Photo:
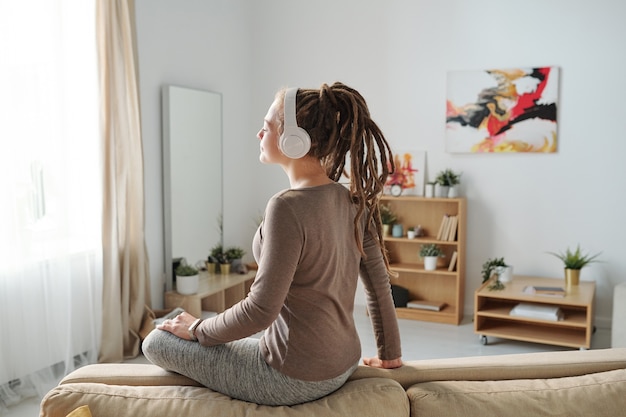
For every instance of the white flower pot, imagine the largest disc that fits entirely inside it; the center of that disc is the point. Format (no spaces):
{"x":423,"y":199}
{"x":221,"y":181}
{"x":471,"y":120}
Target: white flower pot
{"x":430,"y":263}
{"x":187,"y":285}
{"x":506,"y":274}
{"x":441,"y":191}
{"x":429,"y":191}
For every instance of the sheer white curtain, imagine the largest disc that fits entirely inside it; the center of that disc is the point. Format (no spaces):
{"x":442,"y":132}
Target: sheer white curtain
{"x":50,"y":194}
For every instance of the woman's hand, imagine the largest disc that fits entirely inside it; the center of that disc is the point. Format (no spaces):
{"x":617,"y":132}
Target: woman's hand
{"x":179,"y":325}
{"x":383,"y":363}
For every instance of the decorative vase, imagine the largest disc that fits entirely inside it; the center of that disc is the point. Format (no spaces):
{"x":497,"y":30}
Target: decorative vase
{"x":572,"y":277}
{"x":397,"y":230}
{"x":225,"y":269}
{"x":187,"y":284}
{"x":453,"y":191}
{"x":210,"y":267}
{"x":429,"y":191}
{"x":386,"y":229}
{"x":430,"y":263}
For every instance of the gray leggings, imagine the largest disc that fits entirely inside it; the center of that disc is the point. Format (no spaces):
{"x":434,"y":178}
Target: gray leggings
{"x":236,"y":369}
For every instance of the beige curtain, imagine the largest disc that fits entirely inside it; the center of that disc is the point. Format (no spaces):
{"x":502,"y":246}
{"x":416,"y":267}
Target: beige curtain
{"x":125,"y":260}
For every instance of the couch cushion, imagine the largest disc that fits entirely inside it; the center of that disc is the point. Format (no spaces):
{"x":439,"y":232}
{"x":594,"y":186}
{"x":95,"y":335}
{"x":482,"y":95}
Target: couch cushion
{"x":598,"y":395}
{"x":502,"y":367}
{"x":127,"y":374}
{"x":363,"y":398}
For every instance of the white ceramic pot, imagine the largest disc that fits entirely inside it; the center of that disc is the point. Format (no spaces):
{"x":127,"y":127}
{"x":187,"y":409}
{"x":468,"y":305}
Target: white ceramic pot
{"x":441,"y":191}
{"x":187,"y":285}
{"x":429,"y":191}
{"x":506,"y":274}
{"x":430,"y":263}
{"x":453,"y":191}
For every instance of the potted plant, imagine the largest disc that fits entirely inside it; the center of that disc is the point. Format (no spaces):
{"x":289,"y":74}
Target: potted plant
{"x":430,"y":252}
{"x":447,"y":180}
{"x":233,"y":255}
{"x":213,"y":260}
{"x":497,"y":268}
{"x":387,"y":218}
{"x":573,"y":262}
{"x":187,"y":280}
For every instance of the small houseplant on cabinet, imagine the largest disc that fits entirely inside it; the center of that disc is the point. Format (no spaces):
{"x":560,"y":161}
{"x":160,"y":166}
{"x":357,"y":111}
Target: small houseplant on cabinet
{"x":447,"y":181}
{"x":187,"y":280}
{"x":234,"y":255}
{"x":493,"y":268}
{"x":574,"y":261}
{"x":387,"y":218}
{"x":430,"y":252}
{"x":214,"y":259}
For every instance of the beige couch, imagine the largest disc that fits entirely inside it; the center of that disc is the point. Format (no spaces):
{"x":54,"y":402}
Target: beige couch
{"x":570,"y":383}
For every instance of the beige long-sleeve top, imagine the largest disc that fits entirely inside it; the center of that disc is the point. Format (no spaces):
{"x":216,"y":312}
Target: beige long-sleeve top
{"x":304,"y":289}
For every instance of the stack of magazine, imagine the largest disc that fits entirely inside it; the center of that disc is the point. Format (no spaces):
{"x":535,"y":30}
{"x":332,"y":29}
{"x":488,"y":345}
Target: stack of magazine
{"x":537,"y":311}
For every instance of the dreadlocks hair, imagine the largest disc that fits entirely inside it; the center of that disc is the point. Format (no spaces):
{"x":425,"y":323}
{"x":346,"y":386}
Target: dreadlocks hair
{"x":339,"y":124}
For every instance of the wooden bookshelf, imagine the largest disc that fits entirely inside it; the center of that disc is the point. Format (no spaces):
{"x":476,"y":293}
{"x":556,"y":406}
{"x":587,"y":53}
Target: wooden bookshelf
{"x":440,"y":285}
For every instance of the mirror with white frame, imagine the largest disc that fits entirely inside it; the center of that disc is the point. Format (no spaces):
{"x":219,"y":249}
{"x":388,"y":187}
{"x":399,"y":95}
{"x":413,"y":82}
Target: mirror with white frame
{"x":192,"y":175}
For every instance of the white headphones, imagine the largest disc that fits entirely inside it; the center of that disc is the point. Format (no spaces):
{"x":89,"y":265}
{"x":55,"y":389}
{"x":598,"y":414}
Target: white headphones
{"x":295,"y":141}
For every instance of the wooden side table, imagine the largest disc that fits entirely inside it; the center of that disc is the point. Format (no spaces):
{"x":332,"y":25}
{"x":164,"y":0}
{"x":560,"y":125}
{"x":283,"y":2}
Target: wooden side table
{"x":216,"y":293}
{"x":492,"y":313}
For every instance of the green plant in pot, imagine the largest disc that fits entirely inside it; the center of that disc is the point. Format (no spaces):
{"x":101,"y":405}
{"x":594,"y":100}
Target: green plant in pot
{"x":492,"y":268}
{"x":387,"y":218}
{"x":215,"y":258}
{"x":187,"y":281}
{"x":446,"y":180}
{"x":574,"y":261}
{"x":430,"y":252}
{"x":234,"y":255}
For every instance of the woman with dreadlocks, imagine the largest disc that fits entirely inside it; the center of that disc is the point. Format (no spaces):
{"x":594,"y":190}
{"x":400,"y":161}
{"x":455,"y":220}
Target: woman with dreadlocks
{"x":316,"y":239}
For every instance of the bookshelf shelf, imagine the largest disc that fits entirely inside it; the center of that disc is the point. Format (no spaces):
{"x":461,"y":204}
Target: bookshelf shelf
{"x":441,"y":285}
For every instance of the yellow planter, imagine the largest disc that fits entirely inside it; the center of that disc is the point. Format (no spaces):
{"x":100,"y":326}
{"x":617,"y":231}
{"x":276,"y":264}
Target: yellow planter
{"x":572,"y":277}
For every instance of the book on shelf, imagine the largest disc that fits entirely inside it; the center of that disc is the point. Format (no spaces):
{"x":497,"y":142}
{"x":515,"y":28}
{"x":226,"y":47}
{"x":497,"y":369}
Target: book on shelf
{"x":546,"y":291}
{"x":536,"y":311}
{"x":452,"y":264}
{"x":426,"y":305}
{"x":442,"y":227}
{"x":448,"y":228}
{"x":452,"y":226}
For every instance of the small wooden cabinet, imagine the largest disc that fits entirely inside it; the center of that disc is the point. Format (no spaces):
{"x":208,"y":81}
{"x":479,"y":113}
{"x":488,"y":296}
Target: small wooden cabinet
{"x":441,"y":285}
{"x":216,"y":293}
{"x":493,"y":307}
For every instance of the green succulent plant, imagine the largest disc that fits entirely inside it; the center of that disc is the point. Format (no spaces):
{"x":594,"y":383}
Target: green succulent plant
{"x":387,"y":216}
{"x":575,"y":259}
{"x":186,"y":271}
{"x":448,"y":178}
{"x":430,"y":249}
{"x":490,"y":265}
{"x":233,"y":253}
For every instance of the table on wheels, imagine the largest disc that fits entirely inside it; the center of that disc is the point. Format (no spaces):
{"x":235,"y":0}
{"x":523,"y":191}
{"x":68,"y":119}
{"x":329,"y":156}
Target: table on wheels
{"x":492,"y":313}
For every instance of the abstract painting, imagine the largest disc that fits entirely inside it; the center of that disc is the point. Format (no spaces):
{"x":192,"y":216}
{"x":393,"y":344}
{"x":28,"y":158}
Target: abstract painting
{"x":502,"y":110}
{"x":409,"y":173}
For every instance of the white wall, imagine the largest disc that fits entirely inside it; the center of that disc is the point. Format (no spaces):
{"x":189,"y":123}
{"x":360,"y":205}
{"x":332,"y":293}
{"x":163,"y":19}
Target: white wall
{"x":397,"y":53}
